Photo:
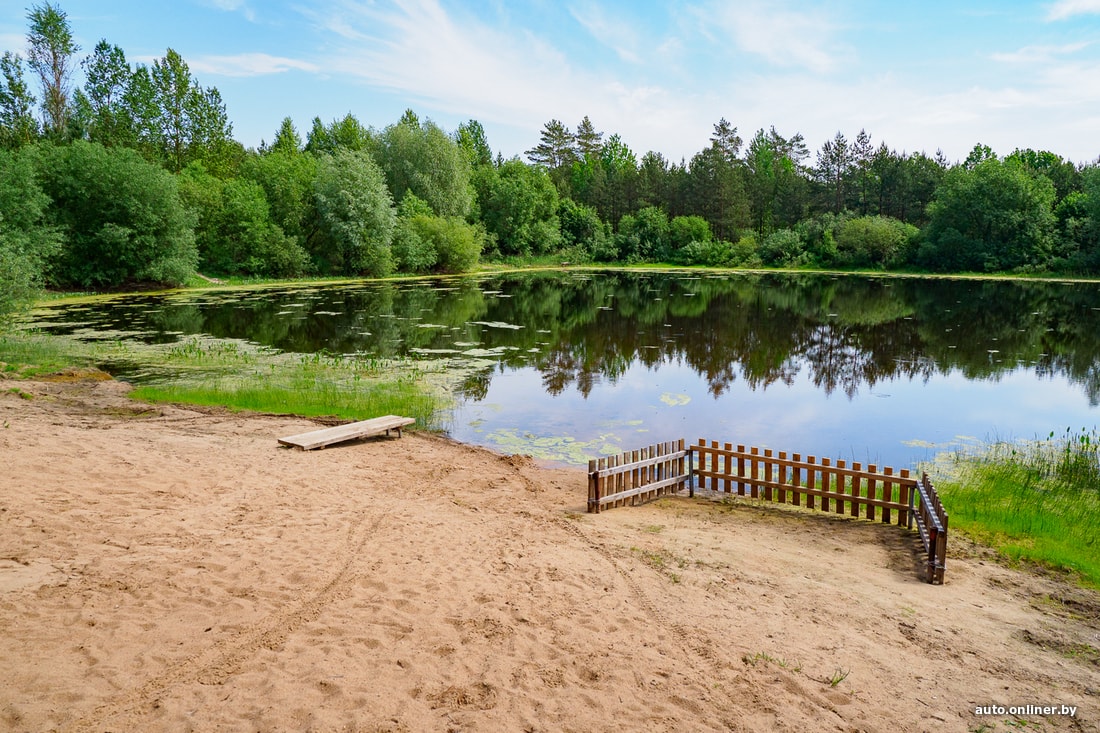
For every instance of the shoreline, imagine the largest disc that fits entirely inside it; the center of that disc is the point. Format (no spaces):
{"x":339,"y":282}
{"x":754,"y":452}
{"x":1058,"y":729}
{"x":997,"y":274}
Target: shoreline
{"x":163,"y":568}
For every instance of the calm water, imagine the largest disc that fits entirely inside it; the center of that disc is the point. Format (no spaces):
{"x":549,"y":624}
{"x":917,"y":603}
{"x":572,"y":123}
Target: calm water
{"x":569,"y":365}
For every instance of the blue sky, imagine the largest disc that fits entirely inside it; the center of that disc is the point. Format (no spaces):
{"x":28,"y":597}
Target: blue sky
{"x":916,"y":75}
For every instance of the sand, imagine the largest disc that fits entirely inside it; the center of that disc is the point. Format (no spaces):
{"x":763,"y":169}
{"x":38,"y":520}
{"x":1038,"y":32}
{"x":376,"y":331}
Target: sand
{"x":168,"y":569}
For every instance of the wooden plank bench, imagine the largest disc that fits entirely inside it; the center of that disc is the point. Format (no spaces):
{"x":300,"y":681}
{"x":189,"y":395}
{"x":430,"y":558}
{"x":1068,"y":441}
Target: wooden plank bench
{"x":351,"y":431}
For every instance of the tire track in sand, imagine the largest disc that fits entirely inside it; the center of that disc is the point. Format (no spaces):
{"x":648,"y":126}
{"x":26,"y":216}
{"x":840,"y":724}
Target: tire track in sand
{"x":224,"y":658}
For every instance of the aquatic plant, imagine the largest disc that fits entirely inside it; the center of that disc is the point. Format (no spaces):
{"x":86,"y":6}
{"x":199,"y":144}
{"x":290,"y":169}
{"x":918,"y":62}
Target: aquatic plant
{"x":1035,"y":501}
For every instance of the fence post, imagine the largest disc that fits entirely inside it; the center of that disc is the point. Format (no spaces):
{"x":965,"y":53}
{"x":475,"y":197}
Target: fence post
{"x":593,"y":488}
{"x":912,"y":502}
{"x":691,"y":470}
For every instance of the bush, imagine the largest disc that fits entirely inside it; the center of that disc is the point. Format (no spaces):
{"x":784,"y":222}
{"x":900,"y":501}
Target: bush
{"x":874,"y":241}
{"x":783,"y":249}
{"x":581,"y":227}
{"x":711,"y":254}
{"x":643,"y":236}
{"x":684,"y":230}
{"x":744,"y":252}
{"x":235,"y":234}
{"x":121,"y":218}
{"x":519,"y":206}
{"x":287,"y":179}
{"x":456,"y":245}
{"x":411,"y":252}
{"x":715,"y":253}
{"x":26,"y":242}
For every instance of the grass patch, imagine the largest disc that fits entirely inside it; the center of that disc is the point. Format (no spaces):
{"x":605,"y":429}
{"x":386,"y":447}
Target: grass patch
{"x":662,"y":561}
{"x":1035,"y":501}
{"x":303,"y":390}
{"x":25,"y":355}
{"x":240,"y":376}
{"x":753,"y":659}
{"x":243,"y":377}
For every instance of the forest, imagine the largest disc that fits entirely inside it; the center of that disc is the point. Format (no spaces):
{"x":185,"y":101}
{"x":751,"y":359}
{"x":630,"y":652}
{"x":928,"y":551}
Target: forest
{"x":134,"y":178}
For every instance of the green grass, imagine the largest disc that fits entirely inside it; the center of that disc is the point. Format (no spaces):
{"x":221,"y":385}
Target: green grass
{"x":1035,"y":501}
{"x":26,"y":355}
{"x":308,"y":388}
{"x":241,"y":376}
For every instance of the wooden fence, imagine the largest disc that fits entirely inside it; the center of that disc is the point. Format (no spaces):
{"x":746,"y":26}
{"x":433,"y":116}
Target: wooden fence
{"x":638,"y":476}
{"x":830,"y":487}
{"x":931,"y":521}
{"x":837,"y":487}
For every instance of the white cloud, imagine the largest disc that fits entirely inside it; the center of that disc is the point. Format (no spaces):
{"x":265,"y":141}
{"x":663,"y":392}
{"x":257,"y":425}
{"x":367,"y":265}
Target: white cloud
{"x":1039,"y":54}
{"x":248,"y":64}
{"x":464,"y":67}
{"x":783,"y":37}
{"x":615,"y":33}
{"x":233,"y":6}
{"x":454,"y":65}
{"x":1064,"y":9}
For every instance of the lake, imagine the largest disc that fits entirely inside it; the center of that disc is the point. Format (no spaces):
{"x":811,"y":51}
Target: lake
{"x":575,"y":364}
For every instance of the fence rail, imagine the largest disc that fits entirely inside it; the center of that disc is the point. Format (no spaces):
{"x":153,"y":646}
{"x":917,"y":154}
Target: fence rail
{"x":825,"y":485}
{"x":837,"y":487}
{"x":638,"y":476}
{"x":931,"y":521}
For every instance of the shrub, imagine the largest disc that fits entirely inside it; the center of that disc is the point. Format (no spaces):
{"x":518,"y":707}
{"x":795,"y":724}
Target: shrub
{"x":26,"y":242}
{"x":235,"y":233}
{"x":121,"y":217}
{"x":456,"y":244}
{"x":876,"y":241}
{"x":783,"y":248}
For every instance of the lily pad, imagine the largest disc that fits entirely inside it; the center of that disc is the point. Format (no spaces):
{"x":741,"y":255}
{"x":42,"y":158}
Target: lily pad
{"x":497,"y":324}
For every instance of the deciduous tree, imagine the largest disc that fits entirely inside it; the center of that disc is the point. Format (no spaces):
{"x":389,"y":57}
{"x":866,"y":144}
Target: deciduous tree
{"x":107,"y":77}
{"x":50,"y":48}
{"x":17,"y":124}
{"x":26,"y":240}
{"x":519,"y":206}
{"x":471,"y":139}
{"x":121,"y":217}
{"x":355,"y":215}
{"x":989,"y":215}
{"x":421,"y":158}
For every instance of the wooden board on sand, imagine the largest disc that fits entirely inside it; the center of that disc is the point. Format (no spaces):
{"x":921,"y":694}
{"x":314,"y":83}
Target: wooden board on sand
{"x":351,"y":431}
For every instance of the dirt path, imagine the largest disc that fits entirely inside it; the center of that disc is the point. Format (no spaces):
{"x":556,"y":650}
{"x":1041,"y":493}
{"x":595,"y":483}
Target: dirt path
{"x":163,"y":569}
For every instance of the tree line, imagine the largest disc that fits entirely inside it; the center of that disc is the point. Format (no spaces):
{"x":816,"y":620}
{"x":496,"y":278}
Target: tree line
{"x":135,"y":177}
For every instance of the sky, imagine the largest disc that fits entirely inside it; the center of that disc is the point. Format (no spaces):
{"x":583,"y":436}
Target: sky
{"x":916,"y":75}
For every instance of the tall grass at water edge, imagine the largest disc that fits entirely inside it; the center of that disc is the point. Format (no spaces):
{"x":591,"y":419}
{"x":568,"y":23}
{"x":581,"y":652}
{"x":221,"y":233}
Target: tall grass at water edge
{"x":308,"y":388}
{"x":240,"y":376}
{"x":24,"y":355}
{"x":1033,"y":501}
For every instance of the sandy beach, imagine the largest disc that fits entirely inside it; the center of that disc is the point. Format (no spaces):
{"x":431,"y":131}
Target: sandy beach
{"x":170,"y":569}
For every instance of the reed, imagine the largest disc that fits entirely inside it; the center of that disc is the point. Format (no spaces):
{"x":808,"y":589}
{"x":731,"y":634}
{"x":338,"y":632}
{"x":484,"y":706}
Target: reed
{"x":26,"y":354}
{"x":240,"y":376}
{"x":303,"y":391}
{"x":1034,"y":501}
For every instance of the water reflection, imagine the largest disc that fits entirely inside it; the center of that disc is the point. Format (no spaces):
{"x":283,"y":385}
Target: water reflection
{"x":735,"y":335}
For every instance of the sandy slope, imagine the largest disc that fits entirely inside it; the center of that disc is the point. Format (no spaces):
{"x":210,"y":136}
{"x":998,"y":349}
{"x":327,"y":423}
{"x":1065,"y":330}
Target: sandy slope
{"x":163,"y":569}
